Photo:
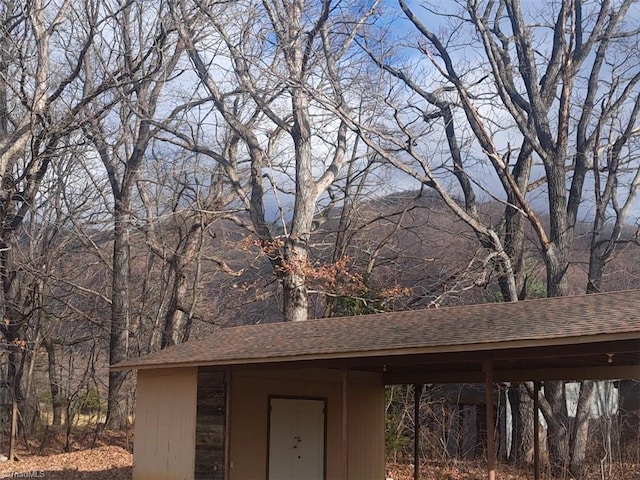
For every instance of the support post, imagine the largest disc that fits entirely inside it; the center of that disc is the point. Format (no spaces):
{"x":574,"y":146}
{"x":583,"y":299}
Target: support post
{"x":491,"y":446}
{"x":227,"y":424}
{"x":345,"y":423}
{"x":417,"y":394}
{"x":536,"y":430}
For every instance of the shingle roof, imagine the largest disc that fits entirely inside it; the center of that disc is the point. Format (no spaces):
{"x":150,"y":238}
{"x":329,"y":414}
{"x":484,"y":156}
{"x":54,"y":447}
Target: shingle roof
{"x":543,"y":322}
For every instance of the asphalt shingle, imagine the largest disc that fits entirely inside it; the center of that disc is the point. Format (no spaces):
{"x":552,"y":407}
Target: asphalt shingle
{"x":494,"y":325}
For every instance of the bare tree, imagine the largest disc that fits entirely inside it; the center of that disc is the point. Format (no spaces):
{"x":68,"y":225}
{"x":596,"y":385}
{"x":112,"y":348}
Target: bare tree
{"x":71,"y":308}
{"x":141,"y":47}
{"x":42,"y":94}
{"x":272,"y":63}
{"x":182,"y":204}
{"x":552,"y":80}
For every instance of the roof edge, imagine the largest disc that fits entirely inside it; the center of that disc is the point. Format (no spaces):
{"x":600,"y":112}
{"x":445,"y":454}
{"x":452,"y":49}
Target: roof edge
{"x":396,"y":351}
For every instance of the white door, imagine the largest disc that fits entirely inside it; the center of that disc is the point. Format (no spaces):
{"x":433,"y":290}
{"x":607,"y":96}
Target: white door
{"x":296,"y":439}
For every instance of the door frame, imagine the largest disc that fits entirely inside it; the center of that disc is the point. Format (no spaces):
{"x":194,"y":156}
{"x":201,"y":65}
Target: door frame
{"x":296,"y":397}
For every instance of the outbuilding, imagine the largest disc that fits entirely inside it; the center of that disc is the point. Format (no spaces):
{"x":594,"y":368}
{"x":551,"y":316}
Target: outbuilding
{"x":305,"y":400}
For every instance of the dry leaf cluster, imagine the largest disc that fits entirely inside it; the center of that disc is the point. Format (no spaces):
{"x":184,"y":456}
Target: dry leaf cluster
{"x":102,"y":463}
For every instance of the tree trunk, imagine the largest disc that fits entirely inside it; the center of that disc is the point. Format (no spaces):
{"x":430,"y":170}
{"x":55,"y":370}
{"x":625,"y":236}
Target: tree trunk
{"x":557,"y":427}
{"x":581,"y":429}
{"x":119,"y":337}
{"x":178,"y":317}
{"x":521,"y":424}
{"x":295,"y":302}
{"x":558,"y":430}
{"x":514,"y":232}
{"x":55,"y":383}
{"x":629,"y":417}
{"x":13,"y":326}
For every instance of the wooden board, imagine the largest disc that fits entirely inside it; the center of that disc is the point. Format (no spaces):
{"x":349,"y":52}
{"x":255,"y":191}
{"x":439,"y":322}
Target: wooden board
{"x":210,"y":425}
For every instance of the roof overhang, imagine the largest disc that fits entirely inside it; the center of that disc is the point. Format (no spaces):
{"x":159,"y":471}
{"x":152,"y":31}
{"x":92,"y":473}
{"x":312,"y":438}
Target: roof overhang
{"x":607,"y":357}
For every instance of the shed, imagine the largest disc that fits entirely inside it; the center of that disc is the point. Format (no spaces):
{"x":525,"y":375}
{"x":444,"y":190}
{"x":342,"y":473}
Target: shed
{"x":305,"y":400}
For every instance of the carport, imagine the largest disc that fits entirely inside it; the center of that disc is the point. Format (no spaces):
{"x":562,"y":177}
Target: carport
{"x":345,"y":362}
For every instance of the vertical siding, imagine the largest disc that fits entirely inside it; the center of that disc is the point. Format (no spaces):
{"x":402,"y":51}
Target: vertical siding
{"x":165,"y":424}
{"x":366,"y":431}
{"x":249,"y":420}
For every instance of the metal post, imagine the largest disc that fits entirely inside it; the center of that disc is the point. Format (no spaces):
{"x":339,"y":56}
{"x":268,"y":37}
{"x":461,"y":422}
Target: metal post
{"x":227,"y":424}
{"x":417,"y":393}
{"x":536,"y":431}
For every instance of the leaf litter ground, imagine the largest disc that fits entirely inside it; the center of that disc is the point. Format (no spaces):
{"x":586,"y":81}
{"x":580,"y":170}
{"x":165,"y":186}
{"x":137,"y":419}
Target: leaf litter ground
{"x":112,"y":460}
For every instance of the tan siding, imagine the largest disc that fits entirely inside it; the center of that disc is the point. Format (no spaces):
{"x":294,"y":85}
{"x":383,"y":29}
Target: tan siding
{"x":165,"y":424}
{"x":366,"y":432}
{"x":249,"y":420}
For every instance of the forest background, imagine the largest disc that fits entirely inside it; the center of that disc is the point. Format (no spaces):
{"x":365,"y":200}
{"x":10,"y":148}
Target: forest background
{"x":170,"y":168}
